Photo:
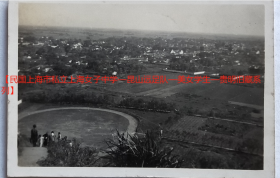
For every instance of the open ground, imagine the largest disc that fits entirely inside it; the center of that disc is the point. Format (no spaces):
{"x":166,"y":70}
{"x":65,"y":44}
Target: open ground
{"x":88,"y":125}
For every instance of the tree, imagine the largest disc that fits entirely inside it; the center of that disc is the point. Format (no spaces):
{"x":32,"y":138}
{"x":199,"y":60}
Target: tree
{"x":67,"y":49}
{"x":30,"y":39}
{"x":230,"y":47}
{"x":233,"y":71}
{"x":41,"y":51}
{"x":240,"y":72}
{"x":51,"y":58}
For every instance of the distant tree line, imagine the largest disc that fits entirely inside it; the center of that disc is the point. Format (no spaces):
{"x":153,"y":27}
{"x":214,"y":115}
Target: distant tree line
{"x":68,"y":97}
{"x":72,"y":97}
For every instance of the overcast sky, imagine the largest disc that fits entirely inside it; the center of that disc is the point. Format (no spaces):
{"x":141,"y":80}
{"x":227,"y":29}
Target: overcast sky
{"x":217,"y":19}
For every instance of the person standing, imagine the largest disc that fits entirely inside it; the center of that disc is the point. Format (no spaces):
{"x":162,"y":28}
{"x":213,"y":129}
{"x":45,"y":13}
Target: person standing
{"x":46,"y":139}
{"x":52,"y":136}
{"x":59,"y":136}
{"x":34,"y":135}
{"x":41,"y":140}
{"x":160,"y":130}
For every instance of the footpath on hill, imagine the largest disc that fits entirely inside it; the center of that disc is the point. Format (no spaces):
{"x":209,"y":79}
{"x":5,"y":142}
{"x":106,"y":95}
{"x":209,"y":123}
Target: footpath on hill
{"x":29,"y":156}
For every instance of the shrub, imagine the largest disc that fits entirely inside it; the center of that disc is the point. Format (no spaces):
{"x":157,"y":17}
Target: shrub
{"x":63,"y":155}
{"x":132,"y":151}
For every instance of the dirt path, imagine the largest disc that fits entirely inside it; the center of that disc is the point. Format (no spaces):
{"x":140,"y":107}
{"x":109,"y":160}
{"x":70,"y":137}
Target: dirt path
{"x":30,"y":155}
{"x":246,"y":104}
{"x":131,"y":126}
{"x":240,"y":122}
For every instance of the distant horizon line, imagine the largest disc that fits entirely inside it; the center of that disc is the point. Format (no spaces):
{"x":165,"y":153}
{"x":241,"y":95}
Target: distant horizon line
{"x":118,"y":29}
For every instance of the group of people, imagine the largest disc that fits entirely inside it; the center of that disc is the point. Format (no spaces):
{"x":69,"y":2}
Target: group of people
{"x":45,"y":139}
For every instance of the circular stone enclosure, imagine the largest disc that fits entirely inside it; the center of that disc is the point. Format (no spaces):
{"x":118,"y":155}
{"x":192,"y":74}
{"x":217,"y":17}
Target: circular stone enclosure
{"x":88,"y":125}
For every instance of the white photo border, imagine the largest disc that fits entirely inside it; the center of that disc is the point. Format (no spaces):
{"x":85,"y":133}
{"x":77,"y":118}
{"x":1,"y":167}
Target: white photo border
{"x":269,"y":130}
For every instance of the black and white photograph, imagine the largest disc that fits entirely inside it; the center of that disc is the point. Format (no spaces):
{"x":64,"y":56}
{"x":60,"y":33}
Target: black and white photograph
{"x":166,"y":85}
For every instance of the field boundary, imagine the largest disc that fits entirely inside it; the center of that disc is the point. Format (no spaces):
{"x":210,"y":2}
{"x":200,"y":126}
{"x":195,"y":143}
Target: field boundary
{"x":139,"y":118}
{"x":212,"y":146}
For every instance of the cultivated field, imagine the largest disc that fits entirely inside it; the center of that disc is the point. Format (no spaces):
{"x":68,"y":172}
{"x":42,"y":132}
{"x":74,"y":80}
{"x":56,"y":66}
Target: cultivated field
{"x":218,"y":133}
{"x":213,"y":90}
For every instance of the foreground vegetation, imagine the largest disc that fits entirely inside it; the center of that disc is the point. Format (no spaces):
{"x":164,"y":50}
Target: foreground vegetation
{"x":132,"y":151}
{"x":61,"y":154}
{"x":123,"y":151}
{"x":146,"y":151}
